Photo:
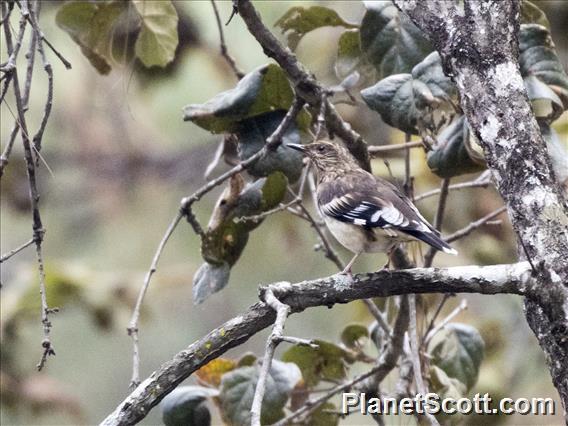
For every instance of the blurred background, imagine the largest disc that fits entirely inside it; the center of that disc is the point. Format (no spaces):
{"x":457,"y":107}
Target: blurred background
{"x":122,"y":158}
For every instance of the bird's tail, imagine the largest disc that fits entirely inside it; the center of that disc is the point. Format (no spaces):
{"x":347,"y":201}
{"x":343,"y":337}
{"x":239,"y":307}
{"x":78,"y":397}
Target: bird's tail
{"x":433,"y":240}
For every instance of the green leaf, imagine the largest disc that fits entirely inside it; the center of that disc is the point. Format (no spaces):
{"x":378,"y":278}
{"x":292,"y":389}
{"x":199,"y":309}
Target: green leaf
{"x":274,"y":190}
{"x":324,"y":415}
{"x":91,"y":26}
{"x":531,"y":14}
{"x":226,"y":238}
{"x":252,"y":134}
{"x":391,"y":42}
{"x":298,"y":21}
{"x":238,"y":387}
{"x":348,"y":53}
{"x":63,"y":289}
{"x":326,"y":362}
{"x":158,"y":38}
{"x":455,"y":153}
{"x":544,"y":76}
{"x":186,"y":406}
{"x":247,"y":360}
{"x":458,"y":350}
{"x":263,"y":90}
{"x":408,"y":101}
{"x":354,"y":335}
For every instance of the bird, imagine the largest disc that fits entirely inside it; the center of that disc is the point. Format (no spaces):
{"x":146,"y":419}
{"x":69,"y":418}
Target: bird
{"x":365,"y":213}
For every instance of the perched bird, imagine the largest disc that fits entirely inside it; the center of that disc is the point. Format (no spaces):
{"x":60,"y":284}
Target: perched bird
{"x":365,"y":213}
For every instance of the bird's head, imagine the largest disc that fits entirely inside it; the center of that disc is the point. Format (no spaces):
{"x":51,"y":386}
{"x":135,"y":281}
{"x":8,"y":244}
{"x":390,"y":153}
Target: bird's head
{"x":327,"y":156}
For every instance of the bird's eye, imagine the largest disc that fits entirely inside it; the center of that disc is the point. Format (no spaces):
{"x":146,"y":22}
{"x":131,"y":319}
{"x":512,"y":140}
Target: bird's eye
{"x":321,"y":148}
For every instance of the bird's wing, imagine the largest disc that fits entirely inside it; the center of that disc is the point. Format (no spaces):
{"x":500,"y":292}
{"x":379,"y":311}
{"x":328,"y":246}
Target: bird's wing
{"x":373,"y":203}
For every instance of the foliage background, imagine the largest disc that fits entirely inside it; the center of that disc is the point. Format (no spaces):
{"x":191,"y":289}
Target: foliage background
{"x":122,"y":158}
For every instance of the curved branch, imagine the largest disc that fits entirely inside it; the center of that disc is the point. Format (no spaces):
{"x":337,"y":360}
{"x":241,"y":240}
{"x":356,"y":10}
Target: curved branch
{"x":497,"y":279}
{"x":306,"y":86}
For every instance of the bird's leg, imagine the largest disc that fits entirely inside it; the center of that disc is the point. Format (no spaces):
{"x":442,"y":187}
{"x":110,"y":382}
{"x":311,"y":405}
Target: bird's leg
{"x":347,"y":269}
{"x":386,"y":266}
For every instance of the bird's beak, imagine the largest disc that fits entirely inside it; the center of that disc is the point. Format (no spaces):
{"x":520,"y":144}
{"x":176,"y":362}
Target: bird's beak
{"x":297,"y":147}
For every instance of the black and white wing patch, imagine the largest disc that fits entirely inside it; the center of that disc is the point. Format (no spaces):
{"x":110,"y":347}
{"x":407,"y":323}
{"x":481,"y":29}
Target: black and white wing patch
{"x":374,"y":209}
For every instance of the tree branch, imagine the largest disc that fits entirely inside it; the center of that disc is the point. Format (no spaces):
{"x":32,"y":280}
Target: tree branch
{"x":479,"y":49}
{"x":273,"y":141}
{"x":511,"y":279}
{"x":306,"y":86}
{"x":282,"y":311}
{"x":224,"y":51}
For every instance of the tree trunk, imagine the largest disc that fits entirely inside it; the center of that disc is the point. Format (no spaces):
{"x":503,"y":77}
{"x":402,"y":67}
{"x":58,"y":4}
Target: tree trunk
{"x":479,"y":49}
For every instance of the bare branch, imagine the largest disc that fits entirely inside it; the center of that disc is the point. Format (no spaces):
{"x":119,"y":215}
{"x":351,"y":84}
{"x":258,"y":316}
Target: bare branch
{"x":461,"y":307}
{"x":272,"y":142}
{"x":277,"y":336}
{"x":474,"y":225}
{"x":415,"y":356}
{"x":377,"y":150}
{"x":13,"y":48}
{"x":133,"y":325}
{"x":224,"y":51}
{"x":483,"y":181}
{"x":37,"y":226}
{"x":512,"y":279}
{"x":307,"y":87}
{"x":23,"y":6}
{"x":15,"y":251}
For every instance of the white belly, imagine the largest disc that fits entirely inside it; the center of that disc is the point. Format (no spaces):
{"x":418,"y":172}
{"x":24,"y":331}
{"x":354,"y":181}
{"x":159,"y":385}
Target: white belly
{"x":355,"y":239}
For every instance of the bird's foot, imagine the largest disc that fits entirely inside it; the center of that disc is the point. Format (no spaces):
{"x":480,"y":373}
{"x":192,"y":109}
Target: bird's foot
{"x":347,"y":272}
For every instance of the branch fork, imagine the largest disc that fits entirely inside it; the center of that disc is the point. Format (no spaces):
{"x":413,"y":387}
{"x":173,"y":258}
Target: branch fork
{"x":276,"y":336}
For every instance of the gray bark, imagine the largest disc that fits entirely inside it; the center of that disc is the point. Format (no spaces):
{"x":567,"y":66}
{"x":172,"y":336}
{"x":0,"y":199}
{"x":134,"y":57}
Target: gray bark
{"x":479,"y":50}
{"x":497,"y":279}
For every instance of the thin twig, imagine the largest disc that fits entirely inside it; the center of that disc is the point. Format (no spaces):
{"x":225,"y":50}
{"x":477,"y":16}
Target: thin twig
{"x":438,"y":219}
{"x":474,"y":225}
{"x":386,"y":363}
{"x":276,"y":336}
{"x":133,"y":325}
{"x":37,"y":226}
{"x":224,"y":51}
{"x":15,"y":251}
{"x":378,"y":315}
{"x":297,"y":198}
{"x":445,"y":298}
{"x":408,"y":187}
{"x":415,"y":356}
{"x":477,"y":183}
{"x":461,"y":307}
{"x":10,"y":64}
{"x":33,"y":17}
{"x":376,"y":150}
{"x":42,"y":38}
{"x":185,"y":210}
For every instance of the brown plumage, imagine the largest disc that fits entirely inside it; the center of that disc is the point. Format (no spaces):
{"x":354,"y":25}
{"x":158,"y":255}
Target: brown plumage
{"x":365,"y":213}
